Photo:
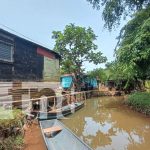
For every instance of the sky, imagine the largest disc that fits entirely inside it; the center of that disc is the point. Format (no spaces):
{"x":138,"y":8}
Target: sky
{"x":36,"y":19}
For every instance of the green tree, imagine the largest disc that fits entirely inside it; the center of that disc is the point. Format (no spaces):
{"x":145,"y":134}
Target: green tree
{"x":76,"y":45}
{"x":122,"y":74}
{"x":115,"y":71}
{"x":99,"y":73}
{"x":133,"y":51}
{"x":115,"y":10}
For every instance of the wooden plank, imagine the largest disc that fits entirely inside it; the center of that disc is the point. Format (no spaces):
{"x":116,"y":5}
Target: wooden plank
{"x":52,"y":129}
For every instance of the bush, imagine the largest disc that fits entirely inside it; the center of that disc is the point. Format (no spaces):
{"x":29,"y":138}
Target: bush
{"x":9,"y":118}
{"x":11,"y":123}
{"x":12,"y":143}
{"x":140,"y":101}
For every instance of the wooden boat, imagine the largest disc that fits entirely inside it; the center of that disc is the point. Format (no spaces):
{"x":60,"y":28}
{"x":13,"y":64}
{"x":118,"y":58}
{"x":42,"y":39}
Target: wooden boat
{"x":58,"y":137}
{"x":60,"y":113}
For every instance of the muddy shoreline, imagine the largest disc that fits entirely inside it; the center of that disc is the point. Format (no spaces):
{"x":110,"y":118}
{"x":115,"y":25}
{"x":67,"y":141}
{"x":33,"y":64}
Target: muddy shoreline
{"x":33,"y":139}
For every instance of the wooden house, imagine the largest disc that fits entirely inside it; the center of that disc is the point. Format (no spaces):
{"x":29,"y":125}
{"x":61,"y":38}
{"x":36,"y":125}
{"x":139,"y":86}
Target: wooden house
{"x":26,"y":68}
{"x":24,"y":60}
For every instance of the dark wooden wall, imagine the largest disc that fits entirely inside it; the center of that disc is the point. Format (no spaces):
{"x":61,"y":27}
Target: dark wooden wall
{"x":28,"y":65}
{"x":5,"y":67}
{"x":5,"y":71}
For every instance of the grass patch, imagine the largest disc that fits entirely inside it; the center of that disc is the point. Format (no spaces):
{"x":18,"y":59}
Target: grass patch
{"x":140,"y":101}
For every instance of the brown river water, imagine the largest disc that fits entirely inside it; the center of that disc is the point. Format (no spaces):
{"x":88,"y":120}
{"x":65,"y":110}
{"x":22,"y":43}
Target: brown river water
{"x":104,"y":123}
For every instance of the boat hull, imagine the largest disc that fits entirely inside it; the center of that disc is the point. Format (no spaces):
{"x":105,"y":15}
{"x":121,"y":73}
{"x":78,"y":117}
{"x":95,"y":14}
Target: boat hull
{"x":64,"y":140}
{"x":65,"y":111}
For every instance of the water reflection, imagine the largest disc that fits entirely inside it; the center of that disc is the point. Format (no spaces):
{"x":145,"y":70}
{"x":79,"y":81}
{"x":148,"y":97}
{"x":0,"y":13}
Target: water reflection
{"x":92,"y":127}
{"x":105,"y":124}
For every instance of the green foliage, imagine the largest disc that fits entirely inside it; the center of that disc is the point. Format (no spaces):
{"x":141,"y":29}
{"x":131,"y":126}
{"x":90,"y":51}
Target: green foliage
{"x":114,"y":71}
{"x":111,"y":72}
{"x":133,"y":49}
{"x":17,"y":119}
{"x":12,"y":143}
{"x":133,"y":53}
{"x":114,"y":10}
{"x":147,"y":85}
{"x":140,"y":101}
{"x":76,"y":45}
{"x":99,"y":73}
{"x":10,"y":129}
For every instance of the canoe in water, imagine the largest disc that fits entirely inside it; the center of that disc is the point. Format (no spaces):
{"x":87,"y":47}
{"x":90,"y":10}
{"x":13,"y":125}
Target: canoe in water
{"x":60,"y":113}
{"x":58,"y":137}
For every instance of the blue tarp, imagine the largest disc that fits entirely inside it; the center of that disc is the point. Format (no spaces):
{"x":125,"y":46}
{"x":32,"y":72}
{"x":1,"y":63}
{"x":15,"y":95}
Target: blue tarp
{"x":94,"y":83}
{"x":66,"y":81}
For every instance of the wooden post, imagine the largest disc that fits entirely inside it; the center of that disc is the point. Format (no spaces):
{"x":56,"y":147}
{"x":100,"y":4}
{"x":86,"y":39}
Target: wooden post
{"x":85,"y":97}
{"x":54,"y":102}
